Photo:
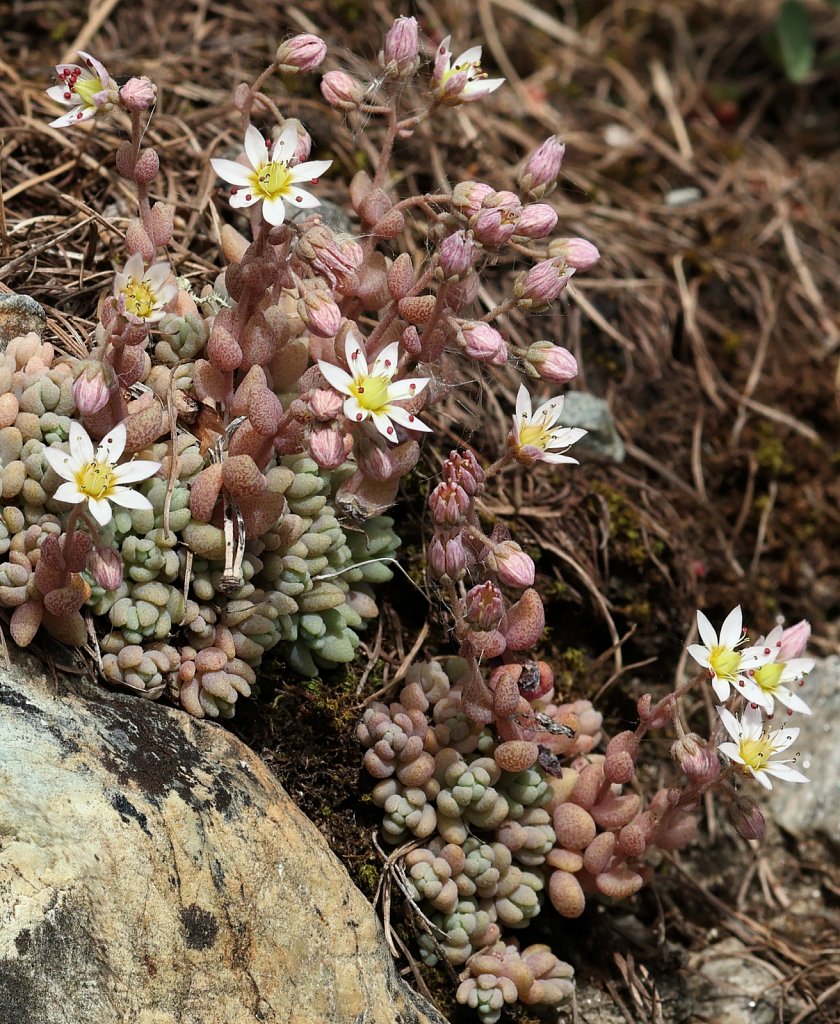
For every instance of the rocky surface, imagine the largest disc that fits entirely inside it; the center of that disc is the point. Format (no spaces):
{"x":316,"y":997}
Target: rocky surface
{"x":19,"y":314}
{"x":581,"y":409}
{"x":815,"y":809}
{"x":152,"y":870}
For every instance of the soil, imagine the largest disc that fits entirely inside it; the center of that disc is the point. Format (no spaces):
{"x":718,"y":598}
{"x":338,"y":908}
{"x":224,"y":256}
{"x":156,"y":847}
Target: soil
{"x":709,"y":183}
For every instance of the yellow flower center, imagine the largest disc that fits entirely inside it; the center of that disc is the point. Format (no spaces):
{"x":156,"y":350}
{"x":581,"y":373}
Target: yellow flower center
{"x":724,"y":662}
{"x":535,"y":435}
{"x":473,"y":72}
{"x":86,"y":89}
{"x":768,"y":676}
{"x":272,"y":180}
{"x":96,"y":479}
{"x":756,"y":753}
{"x":371,"y":392}
{"x":139,"y":299}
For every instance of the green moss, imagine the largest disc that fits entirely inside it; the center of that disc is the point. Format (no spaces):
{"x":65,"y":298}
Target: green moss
{"x":771,"y":451}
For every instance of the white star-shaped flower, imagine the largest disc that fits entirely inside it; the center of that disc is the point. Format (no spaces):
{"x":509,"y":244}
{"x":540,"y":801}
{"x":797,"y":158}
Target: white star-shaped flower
{"x":95,"y":477}
{"x":371,"y":393}
{"x":754,"y":746}
{"x":270,"y":179}
{"x":726,"y":664}
{"x":87,"y":90}
{"x":772,"y":677}
{"x":142,"y":294}
{"x":462,"y":80}
{"x":536,"y":436}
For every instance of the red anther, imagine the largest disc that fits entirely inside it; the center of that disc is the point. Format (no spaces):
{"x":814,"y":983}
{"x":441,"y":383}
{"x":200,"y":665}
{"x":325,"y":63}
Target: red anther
{"x":410,"y":418}
{"x":801,"y":682}
{"x":359,"y":417}
{"x":740,"y":682}
{"x":67,"y":95}
{"x":361,"y":391}
{"x":314,"y":181}
{"x":753,"y":706}
{"x":766,"y":650}
{"x":298,"y":199}
{"x":390,"y":430}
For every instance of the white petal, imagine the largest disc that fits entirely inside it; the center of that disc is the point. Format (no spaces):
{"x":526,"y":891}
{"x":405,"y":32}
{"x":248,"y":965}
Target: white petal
{"x":354,"y":351}
{"x":565,"y":437}
{"x":340,"y":380}
{"x":730,"y":723}
{"x":791,"y":700}
{"x":549,"y":412}
{"x":773,"y":637}
{"x":523,"y":403}
{"x":721,"y":688}
{"x":555,"y":459}
{"x":481,"y":87}
{"x":72,"y":117}
{"x":700,"y":654}
{"x":781,"y":739}
{"x":400,"y":390}
{"x":732,"y":751}
{"x":470,"y":56}
{"x":60,"y":461}
{"x":81,"y":446}
{"x":406,"y":419}
{"x":761,"y":777}
{"x":255,"y":148}
{"x":274,"y":211}
{"x":797,"y":667}
{"x":385,"y":364}
{"x":384,"y":425}
{"x":730,"y":631}
{"x":138,"y":469}
{"x":57,"y":93}
{"x":786,"y":773}
{"x":354,"y":412}
{"x":100,"y":510}
{"x":230,"y":171}
{"x":112,"y":445}
{"x":96,"y":66}
{"x":752,"y":722}
{"x":310,"y":170}
{"x":750,"y":690}
{"x":128,"y":498}
{"x":301,"y":200}
{"x":286,"y":144}
{"x":244,"y":197}
{"x":706,"y":630}
{"x":70,"y":493}
{"x":157,"y":274}
{"x":60,"y":68}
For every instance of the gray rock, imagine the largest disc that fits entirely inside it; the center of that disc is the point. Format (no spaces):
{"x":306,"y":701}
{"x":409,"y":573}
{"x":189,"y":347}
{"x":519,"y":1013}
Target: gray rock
{"x":804,"y":810}
{"x":732,"y":985}
{"x":152,"y":871}
{"x":581,"y":409}
{"x":334,"y":216}
{"x":19,"y":314}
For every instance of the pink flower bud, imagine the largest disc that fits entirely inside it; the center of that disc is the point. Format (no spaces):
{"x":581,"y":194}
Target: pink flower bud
{"x":402,"y":46}
{"x":301,"y":53}
{"x":494,"y":227}
{"x":575,"y":252}
{"x":106,"y":567}
{"x":375,"y":462}
{"x":543,"y":282}
{"x":138,"y":94}
{"x":304,"y":140}
{"x":320,"y":314}
{"x":93,"y":387}
{"x":447,"y":555}
{"x":449,"y":503}
{"x":747,"y":819}
{"x":794,"y":641}
{"x":464,"y":469}
{"x":325,"y":404}
{"x":542,"y":167}
{"x":482,"y":342}
{"x":536,"y":221}
{"x":696,"y":758}
{"x":552,"y":362}
{"x":341,"y":91}
{"x":337,"y":258}
{"x":456,"y":254}
{"x":485,"y":606}
{"x":468,"y":196}
{"x":510,"y":563}
{"x":326,"y":446}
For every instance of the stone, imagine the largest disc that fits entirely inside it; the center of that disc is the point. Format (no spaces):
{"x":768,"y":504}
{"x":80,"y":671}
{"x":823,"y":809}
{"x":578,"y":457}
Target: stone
{"x":581,"y":409}
{"x":804,"y":810}
{"x":19,"y":314}
{"x":730,"y":984}
{"x":152,"y":870}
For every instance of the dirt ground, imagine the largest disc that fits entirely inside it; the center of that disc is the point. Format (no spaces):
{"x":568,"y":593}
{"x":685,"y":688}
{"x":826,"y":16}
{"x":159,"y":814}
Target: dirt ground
{"x":709,"y":183}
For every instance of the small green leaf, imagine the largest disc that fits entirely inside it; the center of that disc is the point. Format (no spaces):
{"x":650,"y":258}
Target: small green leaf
{"x":796,"y":40}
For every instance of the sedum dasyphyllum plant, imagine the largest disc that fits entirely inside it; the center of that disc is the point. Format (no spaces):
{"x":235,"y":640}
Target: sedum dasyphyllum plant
{"x":183,"y":497}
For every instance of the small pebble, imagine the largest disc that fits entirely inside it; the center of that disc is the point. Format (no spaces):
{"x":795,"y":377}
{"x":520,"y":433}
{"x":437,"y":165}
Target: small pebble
{"x":20,"y":314}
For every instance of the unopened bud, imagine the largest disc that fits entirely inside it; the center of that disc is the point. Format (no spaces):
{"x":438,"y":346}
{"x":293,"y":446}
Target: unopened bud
{"x":93,"y":387}
{"x":320,"y":314}
{"x":456,"y":254}
{"x":301,"y":53}
{"x":543,"y":283}
{"x":341,"y":91}
{"x":746,"y":818}
{"x":326,"y":446}
{"x":696,"y":758}
{"x":138,"y":94}
{"x":794,"y":641}
{"x":447,"y":555}
{"x":552,"y":362}
{"x":575,"y":252}
{"x":325,"y":404}
{"x":449,"y":503}
{"x":402,"y":47}
{"x":485,"y":606}
{"x":536,"y":221}
{"x":106,"y":567}
{"x":482,"y":342}
{"x":542,"y":167}
{"x":510,"y":563}
{"x":494,"y":227}
{"x":468,"y":196}
{"x":464,"y":469}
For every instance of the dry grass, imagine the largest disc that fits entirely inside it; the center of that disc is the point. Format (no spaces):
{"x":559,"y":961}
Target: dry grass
{"x":710,"y":326}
